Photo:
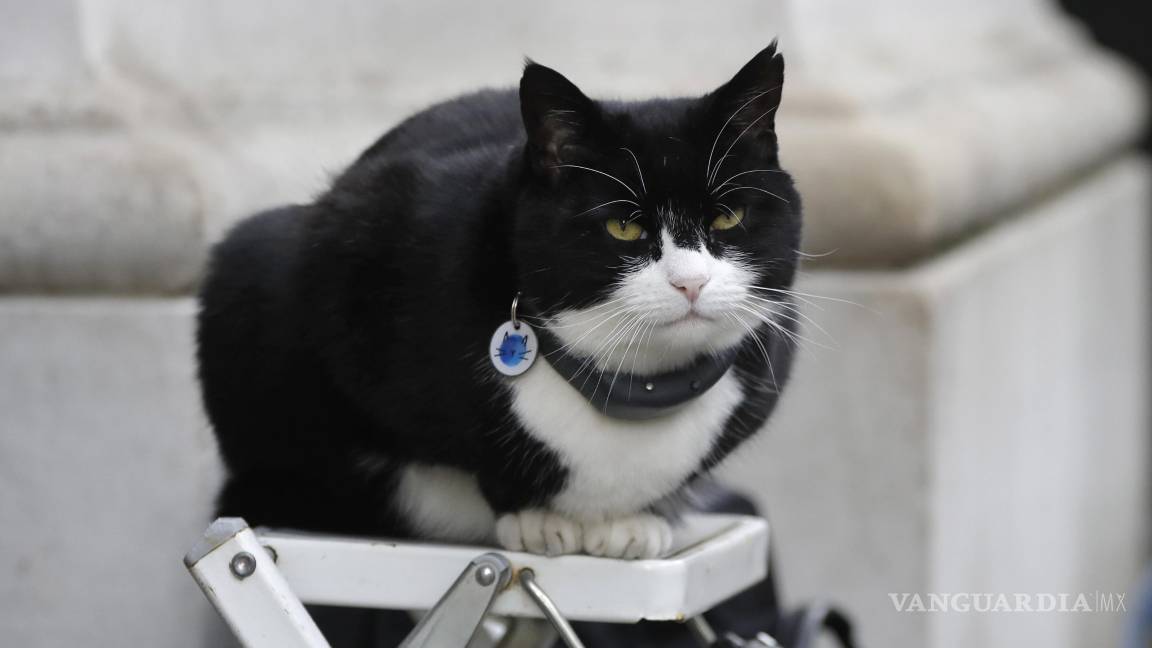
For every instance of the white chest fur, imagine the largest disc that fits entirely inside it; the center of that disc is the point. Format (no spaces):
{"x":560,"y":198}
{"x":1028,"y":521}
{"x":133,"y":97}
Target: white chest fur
{"x":615,"y":466}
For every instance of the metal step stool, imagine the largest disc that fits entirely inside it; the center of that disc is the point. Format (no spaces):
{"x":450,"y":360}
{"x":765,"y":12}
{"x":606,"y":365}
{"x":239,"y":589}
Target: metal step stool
{"x":260,"y":579}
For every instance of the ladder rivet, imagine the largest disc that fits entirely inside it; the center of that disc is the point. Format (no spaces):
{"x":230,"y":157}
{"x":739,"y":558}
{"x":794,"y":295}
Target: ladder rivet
{"x":242,"y":565}
{"x":485,"y":575}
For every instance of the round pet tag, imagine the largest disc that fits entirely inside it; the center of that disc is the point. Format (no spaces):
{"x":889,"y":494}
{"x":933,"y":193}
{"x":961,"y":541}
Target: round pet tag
{"x":513,"y":348}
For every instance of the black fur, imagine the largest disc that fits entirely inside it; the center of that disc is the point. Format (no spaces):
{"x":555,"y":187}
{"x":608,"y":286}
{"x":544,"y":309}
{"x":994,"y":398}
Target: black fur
{"x":343,"y":339}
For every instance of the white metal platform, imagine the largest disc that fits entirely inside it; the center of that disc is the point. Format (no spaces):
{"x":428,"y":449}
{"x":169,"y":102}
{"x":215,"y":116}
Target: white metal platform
{"x":259,"y":579}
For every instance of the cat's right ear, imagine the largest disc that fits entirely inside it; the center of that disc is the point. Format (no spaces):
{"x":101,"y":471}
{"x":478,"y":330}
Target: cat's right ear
{"x":557,"y":116}
{"x":746,"y":105}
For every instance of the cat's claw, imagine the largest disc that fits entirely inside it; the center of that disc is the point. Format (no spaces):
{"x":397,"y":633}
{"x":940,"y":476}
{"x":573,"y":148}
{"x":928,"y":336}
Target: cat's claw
{"x":539,"y":531}
{"x":633,"y":537}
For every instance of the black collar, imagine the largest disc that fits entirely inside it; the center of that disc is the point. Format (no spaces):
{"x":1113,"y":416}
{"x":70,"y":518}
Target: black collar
{"x":632,"y":396}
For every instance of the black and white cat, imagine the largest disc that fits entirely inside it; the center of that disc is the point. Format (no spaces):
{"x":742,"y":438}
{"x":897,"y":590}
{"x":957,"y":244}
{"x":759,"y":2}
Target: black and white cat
{"x":344,"y":344}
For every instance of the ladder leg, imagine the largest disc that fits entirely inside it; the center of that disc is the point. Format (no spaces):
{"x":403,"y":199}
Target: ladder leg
{"x":459,"y":613}
{"x":241,"y":580}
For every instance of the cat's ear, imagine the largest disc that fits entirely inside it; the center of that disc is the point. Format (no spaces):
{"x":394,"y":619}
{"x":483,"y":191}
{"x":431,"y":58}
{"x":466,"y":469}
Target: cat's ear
{"x":557,"y":116}
{"x":746,"y":105}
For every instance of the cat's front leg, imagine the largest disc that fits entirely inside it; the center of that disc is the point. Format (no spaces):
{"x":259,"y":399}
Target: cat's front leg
{"x":539,"y":531}
{"x":638,"y":536}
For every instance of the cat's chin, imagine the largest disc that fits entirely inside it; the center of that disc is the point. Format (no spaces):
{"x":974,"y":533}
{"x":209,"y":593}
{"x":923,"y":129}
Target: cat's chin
{"x":683,"y":341}
{"x":664,"y":346}
{"x":692,"y":318}
{"x":693,"y":332}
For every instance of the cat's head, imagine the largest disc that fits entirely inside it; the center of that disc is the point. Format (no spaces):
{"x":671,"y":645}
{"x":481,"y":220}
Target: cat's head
{"x":649,"y":233}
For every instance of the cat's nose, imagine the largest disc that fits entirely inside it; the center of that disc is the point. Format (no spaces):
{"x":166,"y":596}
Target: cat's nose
{"x":690,"y":287}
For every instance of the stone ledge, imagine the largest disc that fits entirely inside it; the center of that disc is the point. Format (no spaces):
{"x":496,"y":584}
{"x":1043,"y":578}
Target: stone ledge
{"x":97,"y":211}
{"x":887,"y":186}
{"x":68,"y":103}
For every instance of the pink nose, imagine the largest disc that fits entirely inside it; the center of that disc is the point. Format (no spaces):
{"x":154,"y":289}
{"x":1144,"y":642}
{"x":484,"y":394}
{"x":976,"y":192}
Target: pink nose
{"x":690,"y":286}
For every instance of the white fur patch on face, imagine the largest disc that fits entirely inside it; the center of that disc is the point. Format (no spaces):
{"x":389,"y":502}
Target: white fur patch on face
{"x":648,"y":324}
{"x":445,"y":503}
{"x":617,"y":467}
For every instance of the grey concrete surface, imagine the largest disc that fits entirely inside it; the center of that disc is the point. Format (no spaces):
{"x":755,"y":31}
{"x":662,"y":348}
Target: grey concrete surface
{"x":107,"y":470}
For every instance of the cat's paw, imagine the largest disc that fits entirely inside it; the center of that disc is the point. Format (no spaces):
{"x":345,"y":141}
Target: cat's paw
{"x":634,"y":536}
{"x":539,"y":531}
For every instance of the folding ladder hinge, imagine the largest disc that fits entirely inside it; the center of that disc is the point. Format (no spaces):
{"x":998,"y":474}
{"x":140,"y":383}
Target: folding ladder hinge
{"x":459,"y":613}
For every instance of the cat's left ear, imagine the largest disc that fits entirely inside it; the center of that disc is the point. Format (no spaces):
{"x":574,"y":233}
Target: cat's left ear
{"x":558,"y":117}
{"x":745,"y":107}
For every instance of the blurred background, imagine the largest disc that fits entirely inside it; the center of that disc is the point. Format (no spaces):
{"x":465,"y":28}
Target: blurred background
{"x":973,"y":416}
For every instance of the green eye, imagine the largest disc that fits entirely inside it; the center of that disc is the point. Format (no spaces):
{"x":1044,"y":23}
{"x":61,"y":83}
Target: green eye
{"x":625,"y":231}
{"x":728,"y":219}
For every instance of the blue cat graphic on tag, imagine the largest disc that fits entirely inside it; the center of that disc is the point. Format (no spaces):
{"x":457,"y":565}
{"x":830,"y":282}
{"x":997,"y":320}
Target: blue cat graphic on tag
{"x":513,"y":348}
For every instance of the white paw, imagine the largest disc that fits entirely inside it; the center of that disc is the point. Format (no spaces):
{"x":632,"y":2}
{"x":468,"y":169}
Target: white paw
{"x":635,"y":536}
{"x":538,"y":531}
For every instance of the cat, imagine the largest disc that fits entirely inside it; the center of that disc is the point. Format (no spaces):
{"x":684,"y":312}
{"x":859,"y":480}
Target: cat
{"x":342,"y":344}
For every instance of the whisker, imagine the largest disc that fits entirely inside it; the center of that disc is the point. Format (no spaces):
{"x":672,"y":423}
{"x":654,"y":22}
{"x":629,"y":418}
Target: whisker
{"x":550,"y":322}
{"x":807,"y":302}
{"x":606,"y":175}
{"x":614,"y":315}
{"x":763,"y":350}
{"x":753,"y":189}
{"x":716,"y":171}
{"x":630,"y":263}
{"x":596,"y":354}
{"x":808,"y":255}
{"x":732,"y":212}
{"x":601,"y":322}
{"x":608,"y":347}
{"x":590,"y":361}
{"x":733,"y":177}
{"x":795,"y":311}
{"x":801,"y":294}
{"x":783,"y":304}
{"x":636,"y":330}
{"x":769,"y":319}
{"x":645,"y":344}
{"x":708,"y":169}
{"x":639,"y":173}
{"x":610,"y":202}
